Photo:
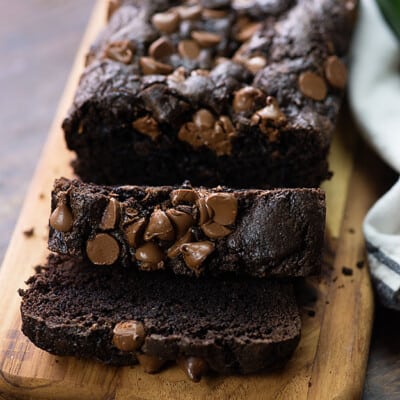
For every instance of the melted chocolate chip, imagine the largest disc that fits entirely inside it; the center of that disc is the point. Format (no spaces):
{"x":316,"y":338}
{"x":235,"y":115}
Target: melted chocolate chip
{"x":147,"y":126}
{"x":214,"y":230}
{"x":205,"y":212}
{"x":247,"y":31}
{"x":150,"y":256}
{"x":194,"y":254}
{"x":159,"y":227}
{"x":103,"y":249}
{"x":190,"y":12}
{"x":128,"y":335}
{"x":336,"y":72}
{"x":181,"y":221}
{"x":246,"y":99}
{"x":271,"y":112}
{"x":179,"y":196}
{"x":255,"y":64}
{"x":133,"y":232}
{"x":150,"y":364}
{"x":61,"y":218}
{"x":312,"y":85}
{"x":175,"y":249}
{"x":110,"y":215}
{"x":224,"y":207}
{"x":194,"y":367}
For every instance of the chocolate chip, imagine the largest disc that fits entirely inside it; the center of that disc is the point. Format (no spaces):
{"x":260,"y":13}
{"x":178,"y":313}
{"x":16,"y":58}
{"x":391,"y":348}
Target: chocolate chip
{"x":159,"y":227}
{"x":347,"y":271}
{"x":150,"y":256}
{"x":103,"y":249}
{"x":61,"y":218}
{"x":255,"y":64}
{"x":161,"y":48}
{"x":224,"y":207}
{"x":179,"y":196}
{"x":181,"y":220}
{"x":194,"y":367}
{"x":175,"y":249}
{"x":360,"y":264}
{"x":29,"y":232}
{"x":205,"y":212}
{"x":150,"y":364}
{"x":271,"y":112}
{"x":110,"y":215}
{"x":336,"y":72}
{"x":247,"y":31}
{"x":148,"y":126}
{"x":194,"y":254}
{"x":188,"y":49}
{"x":190,"y":12}
{"x":209,"y":13}
{"x":214,"y":230}
{"x":133,"y":231}
{"x":167,"y":22}
{"x":128,"y":335}
{"x":121,"y":51}
{"x":152,"y":67}
{"x":312,"y":85}
{"x":206,"y":39}
{"x":246,"y":99}
{"x":204,"y":119}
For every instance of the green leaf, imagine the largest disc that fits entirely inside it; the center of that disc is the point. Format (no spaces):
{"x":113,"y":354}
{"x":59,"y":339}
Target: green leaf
{"x":391,"y":11}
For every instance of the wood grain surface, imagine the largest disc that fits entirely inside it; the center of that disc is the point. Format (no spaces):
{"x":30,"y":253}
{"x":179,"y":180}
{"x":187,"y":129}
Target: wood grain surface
{"x":331,"y":359}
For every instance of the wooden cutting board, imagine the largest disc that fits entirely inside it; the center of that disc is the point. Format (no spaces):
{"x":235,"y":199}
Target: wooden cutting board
{"x":330,"y":361}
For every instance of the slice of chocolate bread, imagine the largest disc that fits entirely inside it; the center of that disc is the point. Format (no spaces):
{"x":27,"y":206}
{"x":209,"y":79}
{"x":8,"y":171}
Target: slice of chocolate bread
{"x":121,"y":316}
{"x":189,"y":230}
{"x":238,"y":93}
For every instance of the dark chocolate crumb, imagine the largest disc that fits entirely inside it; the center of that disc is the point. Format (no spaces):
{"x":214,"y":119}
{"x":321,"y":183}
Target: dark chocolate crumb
{"x":351,"y":230}
{"x":341,"y":286}
{"x":327,"y":302}
{"x":334,"y":279}
{"x":311,"y":313}
{"x":41,"y":196}
{"x":360,"y":264}
{"x":29,"y":232}
{"x":347,"y":271}
{"x":309,"y":384}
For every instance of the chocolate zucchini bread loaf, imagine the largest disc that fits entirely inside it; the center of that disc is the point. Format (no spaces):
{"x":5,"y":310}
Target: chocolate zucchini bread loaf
{"x":237,"y":93}
{"x":121,"y":316}
{"x":190,"y":230}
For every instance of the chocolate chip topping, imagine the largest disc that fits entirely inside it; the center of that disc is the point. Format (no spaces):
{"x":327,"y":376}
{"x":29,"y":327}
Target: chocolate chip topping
{"x":205,"y":212}
{"x":150,"y":364}
{"x":209,"y":13}
{"x":179,"y":196}
{"x":312,"y":85}
{"x":128,"y":335}
{"x":255,"y":64}
{"x":206,"y":39}
{"x":150,"y":256}
{"x":246,"y":99}
{"x":188,"y":49}
{"x":152,"y":67}
{"x":214,"y":230}
{"x":194,"y":367}
{"x":161,"y":48}
{"x":247,"y":31}
{"x":224,"y":207}
{"x":133,"y":231}
{"x":167,"y":22}
{"x":175,"y":249}
{"x":121,"y":51}
{"x":147,"y":126}
{"x":271,"y":112}
{"x":204,"y":119}
{"x":336,"y":72}
{"x":159,"y":227}
{"x":190,"y":12}
{"x":61,"y":218}
{"x":194,"y":254}
{"x":110,"y":215}
{"x":103,"y":249}
{"x":181,"y":221}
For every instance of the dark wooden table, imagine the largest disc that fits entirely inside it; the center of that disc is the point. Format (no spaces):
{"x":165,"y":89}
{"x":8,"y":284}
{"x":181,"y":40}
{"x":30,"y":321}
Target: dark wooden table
{"x":38,"y":41}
